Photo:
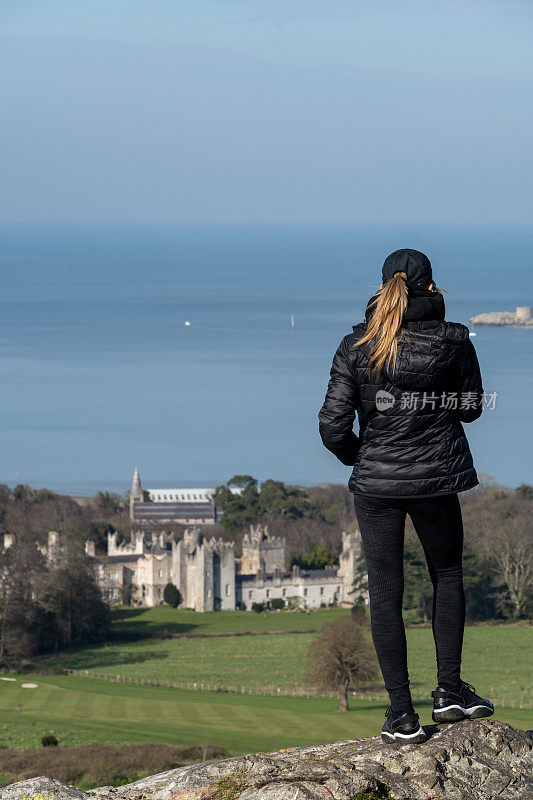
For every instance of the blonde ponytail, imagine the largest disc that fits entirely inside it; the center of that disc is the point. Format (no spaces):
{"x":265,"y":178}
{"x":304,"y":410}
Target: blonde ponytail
{"x":385,"y":323}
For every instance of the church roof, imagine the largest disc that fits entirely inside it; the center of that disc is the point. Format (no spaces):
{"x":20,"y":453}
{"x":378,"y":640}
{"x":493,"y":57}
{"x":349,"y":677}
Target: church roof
{"x":164,"y":510}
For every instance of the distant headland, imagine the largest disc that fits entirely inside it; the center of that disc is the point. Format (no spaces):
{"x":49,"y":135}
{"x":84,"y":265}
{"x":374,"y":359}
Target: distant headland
{"x":521,"y":318}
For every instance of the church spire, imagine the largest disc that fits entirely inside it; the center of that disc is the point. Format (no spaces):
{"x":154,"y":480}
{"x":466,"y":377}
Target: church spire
{"x":136,"y":488}
{"x":136,"y":492}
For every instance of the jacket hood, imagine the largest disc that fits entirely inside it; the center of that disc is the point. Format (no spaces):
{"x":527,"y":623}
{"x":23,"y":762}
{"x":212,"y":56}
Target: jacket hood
{"x":423,"y":342}
{"x":421,"y":304}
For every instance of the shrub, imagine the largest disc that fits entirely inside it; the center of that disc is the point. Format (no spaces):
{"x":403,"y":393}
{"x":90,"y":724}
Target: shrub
{"x":171,"y":595}
{"x":258,"y":607}
{"x":91,"y":765}
{"x":49,"y":740}
{"x":277,"y":603}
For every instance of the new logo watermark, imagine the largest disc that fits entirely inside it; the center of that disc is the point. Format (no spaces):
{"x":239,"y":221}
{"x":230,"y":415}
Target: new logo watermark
{"x":384,"y":400}
{"x":450,"y":401}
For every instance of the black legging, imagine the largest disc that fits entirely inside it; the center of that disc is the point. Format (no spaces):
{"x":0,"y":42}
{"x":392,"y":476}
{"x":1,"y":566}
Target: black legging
{"x":439,"y":526}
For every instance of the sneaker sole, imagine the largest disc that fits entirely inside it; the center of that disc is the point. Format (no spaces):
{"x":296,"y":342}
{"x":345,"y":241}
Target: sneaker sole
{"x":405,"y":738}
{"x":457,"y":713}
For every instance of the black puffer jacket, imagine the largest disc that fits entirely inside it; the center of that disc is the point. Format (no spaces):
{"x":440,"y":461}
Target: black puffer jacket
{"x":412,"y":443}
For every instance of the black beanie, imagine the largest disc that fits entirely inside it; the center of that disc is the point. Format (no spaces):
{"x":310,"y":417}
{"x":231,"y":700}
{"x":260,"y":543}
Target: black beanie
{"x":415,"y":264}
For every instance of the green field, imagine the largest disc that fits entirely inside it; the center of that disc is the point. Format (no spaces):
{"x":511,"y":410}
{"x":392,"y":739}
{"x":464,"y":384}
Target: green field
{"x":149,"y":620}
{"x":81,"y":709}
{"x":78,"y":708}
{"x":495,"y":658}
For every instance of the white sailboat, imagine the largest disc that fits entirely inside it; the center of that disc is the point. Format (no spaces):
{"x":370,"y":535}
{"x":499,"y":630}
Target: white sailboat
{"x":292,"y":320}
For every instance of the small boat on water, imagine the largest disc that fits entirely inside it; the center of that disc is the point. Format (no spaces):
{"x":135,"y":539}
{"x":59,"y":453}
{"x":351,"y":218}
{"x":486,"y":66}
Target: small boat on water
{"x":472,"y":333}
{"x":292,"y":321}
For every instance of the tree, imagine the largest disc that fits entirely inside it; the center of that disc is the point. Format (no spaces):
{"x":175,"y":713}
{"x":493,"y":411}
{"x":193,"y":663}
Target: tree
{"x":277,"y":500}
{"x":332,"y":504}
{"x":272,"y":501}
{"x":342,"y":657}
{"x":525,"y":491}
{"x":418,"y":592}
{"x":239,"y":509}
{"x":172,"y":595}
{"x":70,"y":601}
{"x":97,"y":531}
{"x":20,"y":565}
{"x":514,"y":565}
{"x":46,"y":606}
{"x":241,"y":481}
{"x":477,"y":580}
{"x":358,"y":612}
{"x":108,"y":502}
{"x":24,"y":494}
{"x":319,"y":557}
{"x":360,"y":582}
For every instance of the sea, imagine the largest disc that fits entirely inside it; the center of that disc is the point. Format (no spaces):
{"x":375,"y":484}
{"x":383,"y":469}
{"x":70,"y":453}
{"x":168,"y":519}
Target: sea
{"x":100,"y":371}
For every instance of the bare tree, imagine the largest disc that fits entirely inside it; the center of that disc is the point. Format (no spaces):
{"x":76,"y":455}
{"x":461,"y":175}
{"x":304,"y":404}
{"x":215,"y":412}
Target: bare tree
{"x":342,"y":657}
{"x":20,"y":562}
{"x":514,"y":566}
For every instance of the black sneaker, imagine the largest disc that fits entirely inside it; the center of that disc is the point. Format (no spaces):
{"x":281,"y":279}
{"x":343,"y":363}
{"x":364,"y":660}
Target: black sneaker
{"x":404,"y":729}
{"x":462,"y":704}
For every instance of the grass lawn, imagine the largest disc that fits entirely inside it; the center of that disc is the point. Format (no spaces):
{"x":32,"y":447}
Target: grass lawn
{"x":78,"y":709}
{"x":496,"y":659}
{"x":145,"y":621}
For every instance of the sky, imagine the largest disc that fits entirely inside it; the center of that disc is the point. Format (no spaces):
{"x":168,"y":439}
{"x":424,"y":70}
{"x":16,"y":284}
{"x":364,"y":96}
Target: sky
{"x":230,"y":112}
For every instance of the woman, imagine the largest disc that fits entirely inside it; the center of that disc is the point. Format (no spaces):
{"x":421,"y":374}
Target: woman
{"x":413,"y":380}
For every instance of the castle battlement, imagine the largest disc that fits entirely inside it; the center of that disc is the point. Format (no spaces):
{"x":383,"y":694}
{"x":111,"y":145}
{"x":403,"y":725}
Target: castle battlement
{"x":258,"y":536}
{"x":139,"y":544}
{"x":192,"y":537}
{"x":218,"y":544}
{"x":350,"y":540}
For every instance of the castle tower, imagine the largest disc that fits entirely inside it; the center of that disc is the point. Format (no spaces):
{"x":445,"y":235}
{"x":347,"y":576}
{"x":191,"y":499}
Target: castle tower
{"x":111,"y":543}
{"x":523,"y":313}
{"x":260,"y":551}
{"x":52,"y":550}
{"x":137,"y":541}
{"x":204,"y":571}
{"x":136,"y":492}
{"x":349,"y":559}
{"x":183,"y":565}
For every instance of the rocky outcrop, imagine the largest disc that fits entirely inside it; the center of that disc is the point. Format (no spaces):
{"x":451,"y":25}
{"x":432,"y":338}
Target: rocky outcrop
{"x":522,"y":317}
{"x":480,"y":760}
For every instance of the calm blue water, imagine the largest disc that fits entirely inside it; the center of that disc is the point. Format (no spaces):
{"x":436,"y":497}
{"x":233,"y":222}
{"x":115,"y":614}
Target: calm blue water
{"x":99,"y":372}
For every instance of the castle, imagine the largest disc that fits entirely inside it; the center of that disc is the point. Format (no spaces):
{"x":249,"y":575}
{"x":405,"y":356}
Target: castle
{"x":210,"y":578}
{"x":205,"y":571}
